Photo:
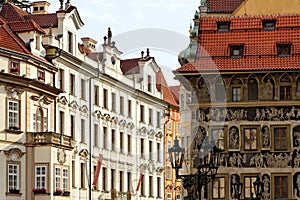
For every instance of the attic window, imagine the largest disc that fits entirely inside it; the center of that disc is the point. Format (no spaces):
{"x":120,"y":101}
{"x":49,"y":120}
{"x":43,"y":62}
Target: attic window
{"x":223,"y":27}
{"x":35,"y":8}
{"x":269,"y":25}
{"x":42,"y":8}
{"x":284,"y":50}
{"x":236,"y":51}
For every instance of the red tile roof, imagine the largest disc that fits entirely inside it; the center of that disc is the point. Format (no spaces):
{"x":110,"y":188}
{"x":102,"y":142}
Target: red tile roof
{"x":45,"y":20}
{"x":260,"y":50}
{"x":161,"y":85}
{"x":175,"y":91}
{"x":12,"y":13}
{"x":130,"y":66}
{"x":23,"y":26}
{"x":223,"y":6}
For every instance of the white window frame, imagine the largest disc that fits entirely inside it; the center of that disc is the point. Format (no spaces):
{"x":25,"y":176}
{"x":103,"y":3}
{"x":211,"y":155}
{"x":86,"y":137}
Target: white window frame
{"x":62,"y":178}
{"x":13,"y":114}
{"x":40,"y":183}
{"x":14,"y":183}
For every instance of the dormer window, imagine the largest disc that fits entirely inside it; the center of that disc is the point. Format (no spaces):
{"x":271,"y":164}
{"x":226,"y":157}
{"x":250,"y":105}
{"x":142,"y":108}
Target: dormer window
{"x":269,"y":25}
{"x":223,"y":27}
{"x":284,"y":50}
{"x":236,"y":51}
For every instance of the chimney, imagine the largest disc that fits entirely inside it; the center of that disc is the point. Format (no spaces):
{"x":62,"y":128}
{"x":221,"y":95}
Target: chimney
{"x":40,"y":7}
{"x":89,"y":43}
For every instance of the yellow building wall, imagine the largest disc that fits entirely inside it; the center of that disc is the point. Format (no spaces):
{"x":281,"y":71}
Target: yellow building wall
{"x":268,"y":7}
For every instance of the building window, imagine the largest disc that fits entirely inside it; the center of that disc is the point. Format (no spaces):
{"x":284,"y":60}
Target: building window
{"x":150,"y":150}
{"x":61,"y":79}
{"x":73,"y":174}
{"x":250,"y":139}
{"x":281,"y":187}
{"x":158,"y":187}
{"x":129,"y":109}
{"x":113,"y":140}
{"x":142,"y":148}
{"x":249,"y":188}
{"x":57,"y":178}
{"x":96,"y":95}
{"x":41,"y":75}
{"x":96,"y":135}
{"x":113,"y":176}
{"x":269,"y":25}
{"x":122,"y":105}
{"x":105,"y":138}
{"x":150,"y":186}
{"x":83,"y":90}
{"x":83,"y":130}
{"x":149,"y":85}
{"x":158,"y":152}
{"x":39,"y":119}
{"x":82,"y":175}
{"x":169,"y":124}
{"x":104,"y":179}
{"x":129,"y":144}
{"x":178,"y":196}
{"x":142,"y":113}
{"x":13,"y":114}
{"x":121,"y":142}
{"x":280,"y":138}
{"x":223,"y":27}
{"x":40,"y":177}
{"x":13,"y":177}
{"x":61,"y":122}
{"x":236,"y":51}
{"x":169,"y":172}
{"x":252,"y":89}
{"x":121,"y":181}
{"x":169,"y":196}
{"x":105,"y":98}
{"x":143,"y":186}
{"x":14,"y":67}
{"x":284,"y":50}
{"x":113,"y":102}
{"x":72,"y":84}
{"x":129,"y":181}
{"x":150,"y":116}
{"x":236,"y":94}
{"x":70,"y":42}
{"x":285,"y":88}
{"x":219,"y":188}
{"x":72,"y":124}
{"x":158,"y":119}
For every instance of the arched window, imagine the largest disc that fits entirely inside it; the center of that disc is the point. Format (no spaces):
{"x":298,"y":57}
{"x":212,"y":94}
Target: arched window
{"x":236,"y":90}
{"x":252,"y":89}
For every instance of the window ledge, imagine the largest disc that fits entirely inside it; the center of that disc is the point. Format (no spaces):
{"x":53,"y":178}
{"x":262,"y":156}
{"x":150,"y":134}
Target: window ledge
{"x":13,"y":194}
{"x":13,"y":131}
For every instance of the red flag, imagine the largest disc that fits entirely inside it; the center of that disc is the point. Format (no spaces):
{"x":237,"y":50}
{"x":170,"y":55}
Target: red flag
{"x":96,"y":175}
{"x":140,"y":179}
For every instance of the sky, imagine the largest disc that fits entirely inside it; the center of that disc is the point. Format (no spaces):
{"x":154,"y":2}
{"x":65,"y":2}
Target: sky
{"x":160,"y":25}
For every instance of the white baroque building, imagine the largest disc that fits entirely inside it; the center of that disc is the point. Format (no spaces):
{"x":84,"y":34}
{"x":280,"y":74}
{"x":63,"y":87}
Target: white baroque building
{"x":82,"y":104}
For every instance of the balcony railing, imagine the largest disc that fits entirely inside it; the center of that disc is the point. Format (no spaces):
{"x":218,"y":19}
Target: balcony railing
{"x":50,"y":138}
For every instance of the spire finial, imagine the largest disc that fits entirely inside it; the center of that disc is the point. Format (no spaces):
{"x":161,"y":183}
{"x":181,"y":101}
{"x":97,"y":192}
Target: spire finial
{"x":148,"y":52}
{"x":142,"y":53}
{"x":109,"y":35}
{"x":61,"y":4}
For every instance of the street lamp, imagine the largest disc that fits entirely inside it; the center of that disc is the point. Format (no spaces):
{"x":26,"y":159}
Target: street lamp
{"x":258,"y":185}
{"x":209,"y":160}
{"x":237,"y":186}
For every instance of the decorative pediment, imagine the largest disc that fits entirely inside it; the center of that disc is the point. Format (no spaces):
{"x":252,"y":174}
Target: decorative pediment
{"x":84,"y":109}
{"x":62,"y":100}
{"x":98,"y":114}
{"x":159,"y":170}
{"x":122,"y":123}
{"x":84,"y":153}
{"x":130,"y":125}
{"x":159,"y":135}
{"x":151,"y":133}
{"x":42,"y":100}
{"x":13,"y":154}
{"x":106,"y":117}
{"x":14,"y":92}
{"x":74,"y":105}
{"x":143,"y":131}
{"x":114,"y":120}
